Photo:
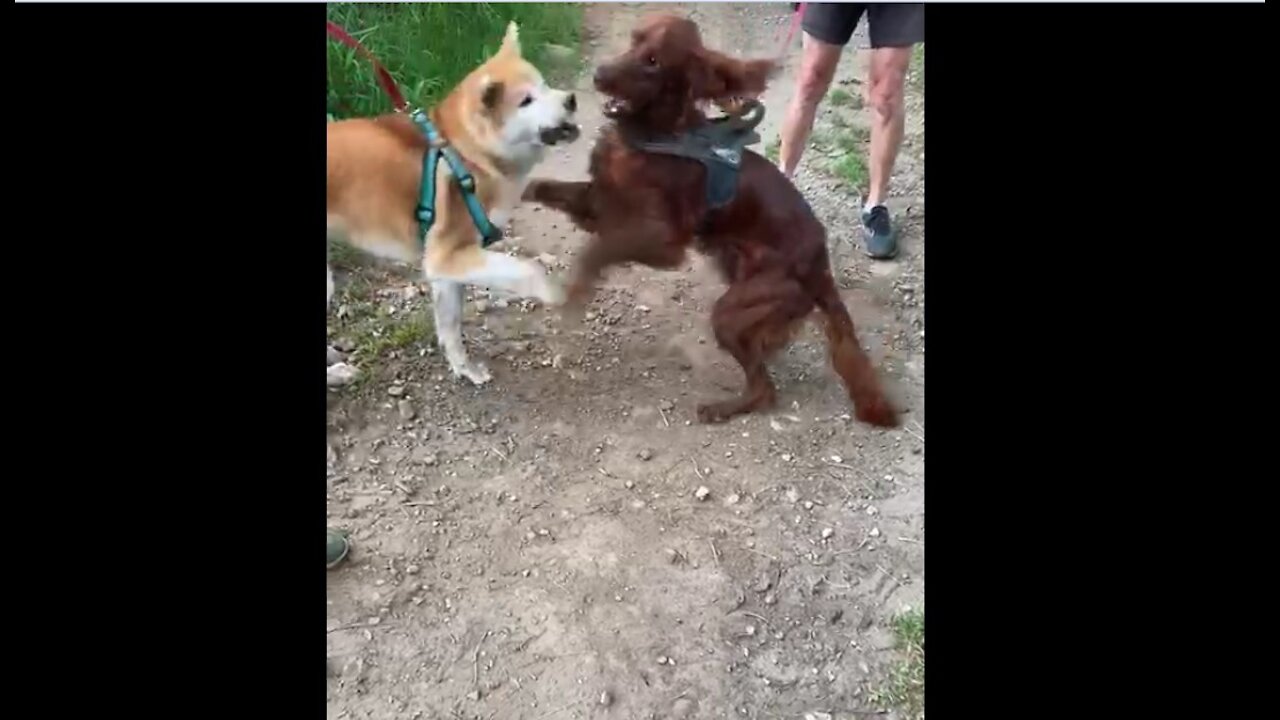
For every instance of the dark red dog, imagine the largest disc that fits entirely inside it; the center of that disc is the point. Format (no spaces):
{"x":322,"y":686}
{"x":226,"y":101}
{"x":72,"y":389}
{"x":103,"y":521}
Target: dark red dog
{"x":650,"y":208}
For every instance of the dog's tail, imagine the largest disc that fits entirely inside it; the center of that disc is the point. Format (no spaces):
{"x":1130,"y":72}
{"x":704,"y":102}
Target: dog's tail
{"x":849,"y":360}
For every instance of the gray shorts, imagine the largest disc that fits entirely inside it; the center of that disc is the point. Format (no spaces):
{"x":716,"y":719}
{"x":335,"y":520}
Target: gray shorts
{"x":890,"y":25}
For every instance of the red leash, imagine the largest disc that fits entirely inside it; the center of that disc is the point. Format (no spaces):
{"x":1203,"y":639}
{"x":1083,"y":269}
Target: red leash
{"x":384,"y":77}
{"x":791,"y":32}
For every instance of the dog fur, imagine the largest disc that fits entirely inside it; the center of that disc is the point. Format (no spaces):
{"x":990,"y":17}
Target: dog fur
{"x":649,"y":208}
{"x":499,"y":119}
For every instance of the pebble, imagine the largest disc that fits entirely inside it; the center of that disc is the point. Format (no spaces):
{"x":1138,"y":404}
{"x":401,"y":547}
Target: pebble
{"x":413,"y":570}
{"x":871,"y":510}
{"x":732,"y":499}
{"x":395,"y":390}
{"x":473,"y":696}
{"x":702,"y":493}
{"x":645,"y":454}
{"x":666,"y":405}
{"x":764,"y":582}
{"x":341,"y":374}
{"x":629,"y":484}
{"x":406,"y":410}
{"x":827,"y":532}
{"x":875,"y":532}
{"x":770,"y":599}
{"x":606,"y":699}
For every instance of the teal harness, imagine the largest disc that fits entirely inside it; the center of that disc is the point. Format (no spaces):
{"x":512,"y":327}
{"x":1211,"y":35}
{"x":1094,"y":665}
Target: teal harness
{"x":439,"y":147}
{"x":718,"y":145}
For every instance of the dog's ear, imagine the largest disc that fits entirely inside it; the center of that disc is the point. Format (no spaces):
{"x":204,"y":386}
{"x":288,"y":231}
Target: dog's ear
{"x":720,"y":76}
{"x":511,"y":41}
{"x":491,"y":93}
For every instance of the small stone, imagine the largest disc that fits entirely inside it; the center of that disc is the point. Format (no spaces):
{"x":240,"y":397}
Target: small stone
{"x":666,"y":405}
{"x":817,"y":716}
{"x":645,"y":454}
{"x":702,"y":493}
{"x":764,"y":582}
{"x":407,"y":412}
{"x":871,"y":510}
{"x":751,"y":630}
{"x":629,"y":484}
{"x":395,"y":390}
{"x":808,"y":504}
{"x":793,"y":495}
{"x":786,"y":457}
{"x":770,"y":599}
{"x":430,"y":460}
{"x":827,"y":532}
{"x":662,"y":659}
{"x":732,"y":499}
{"x":605,"y":699}
{"x":413,"y":570}
{"x":875,"y":532}
{"x":836,"y":459}
{"x":341,"y":374}
{"x":473,"y":696}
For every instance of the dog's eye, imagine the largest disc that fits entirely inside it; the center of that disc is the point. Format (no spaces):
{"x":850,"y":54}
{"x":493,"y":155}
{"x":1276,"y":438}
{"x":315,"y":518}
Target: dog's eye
{"x":528,"y":100}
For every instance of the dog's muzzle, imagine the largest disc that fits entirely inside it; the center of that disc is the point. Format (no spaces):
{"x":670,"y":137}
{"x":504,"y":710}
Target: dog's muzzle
{"x":564,"y":132}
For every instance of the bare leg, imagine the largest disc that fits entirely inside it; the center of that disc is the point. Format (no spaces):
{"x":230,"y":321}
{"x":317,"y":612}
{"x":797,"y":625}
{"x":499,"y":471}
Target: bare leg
{"x":817,"y":67}
{"x":886,"y":77}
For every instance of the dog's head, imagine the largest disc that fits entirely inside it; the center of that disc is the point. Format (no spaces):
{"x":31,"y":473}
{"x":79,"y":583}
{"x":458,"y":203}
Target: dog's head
{"x":666,"y":72}
{"x":518,"y":113}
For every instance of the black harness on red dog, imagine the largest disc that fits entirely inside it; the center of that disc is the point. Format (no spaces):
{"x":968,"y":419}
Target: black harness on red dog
{"x":718,"y":145}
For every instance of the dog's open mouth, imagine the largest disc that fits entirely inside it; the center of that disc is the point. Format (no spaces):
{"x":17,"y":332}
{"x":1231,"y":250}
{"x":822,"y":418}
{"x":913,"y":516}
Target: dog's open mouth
{"x":565,"y":132}
{"x":616,"y":107}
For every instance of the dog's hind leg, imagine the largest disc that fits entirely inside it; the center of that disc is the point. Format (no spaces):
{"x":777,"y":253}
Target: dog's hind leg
{"x":446,"y":301}
{"x":754,"y":319}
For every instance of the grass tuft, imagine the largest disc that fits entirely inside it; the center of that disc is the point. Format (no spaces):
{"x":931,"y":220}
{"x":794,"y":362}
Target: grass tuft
{"x":905,"y":687}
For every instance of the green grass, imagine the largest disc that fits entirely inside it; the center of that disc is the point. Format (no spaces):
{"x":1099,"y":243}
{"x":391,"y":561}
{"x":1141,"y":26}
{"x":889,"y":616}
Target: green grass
{"x":851,"y":168}
{"x":905,"y":687}
{"x":840,"y":97}
{"x":429,"y":47}
{"x":852,"y":139}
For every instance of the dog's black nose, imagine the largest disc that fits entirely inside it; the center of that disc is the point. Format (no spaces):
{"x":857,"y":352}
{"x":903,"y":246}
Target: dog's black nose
{"x":571,"y":103}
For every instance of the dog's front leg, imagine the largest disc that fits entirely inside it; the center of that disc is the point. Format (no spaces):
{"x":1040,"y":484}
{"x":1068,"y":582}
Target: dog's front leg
{"x":647,"y":241}
{"x":446,"y":301}
{"x":571,"y":198}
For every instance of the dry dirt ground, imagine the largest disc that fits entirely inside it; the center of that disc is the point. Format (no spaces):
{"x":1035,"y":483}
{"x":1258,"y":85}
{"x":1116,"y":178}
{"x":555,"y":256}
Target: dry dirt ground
{"x":535,"y":548}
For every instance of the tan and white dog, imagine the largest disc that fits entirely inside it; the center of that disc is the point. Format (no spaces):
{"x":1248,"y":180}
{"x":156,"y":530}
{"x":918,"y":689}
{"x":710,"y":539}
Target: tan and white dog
{"x":499,"y":119}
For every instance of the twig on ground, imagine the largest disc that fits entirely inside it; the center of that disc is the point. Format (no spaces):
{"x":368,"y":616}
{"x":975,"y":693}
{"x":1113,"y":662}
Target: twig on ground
{"x":696,"y":470}
{"x":664,"y":417}
{"x":714,"y":553}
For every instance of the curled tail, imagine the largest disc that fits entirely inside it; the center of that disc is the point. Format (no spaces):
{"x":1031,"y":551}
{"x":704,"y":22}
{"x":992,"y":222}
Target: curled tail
{"x":849,"y":360}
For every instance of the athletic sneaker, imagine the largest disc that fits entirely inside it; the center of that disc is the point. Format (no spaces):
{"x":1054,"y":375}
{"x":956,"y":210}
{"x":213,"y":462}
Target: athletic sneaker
{"x":878,"y":233}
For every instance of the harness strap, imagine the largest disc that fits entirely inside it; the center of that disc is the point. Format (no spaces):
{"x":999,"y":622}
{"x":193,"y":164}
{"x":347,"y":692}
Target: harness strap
{"x":489,"y":233}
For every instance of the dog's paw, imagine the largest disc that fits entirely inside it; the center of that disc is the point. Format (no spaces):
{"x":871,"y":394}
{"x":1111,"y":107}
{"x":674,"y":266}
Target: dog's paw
{"x":475,"y":372}
{"x":551,"y":294}
{"x":711,"y":413}
{"x":877,"y":411}
{"x":530,"y":193}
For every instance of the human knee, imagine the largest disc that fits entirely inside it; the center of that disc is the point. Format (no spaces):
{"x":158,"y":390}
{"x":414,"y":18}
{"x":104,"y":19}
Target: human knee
{"x":814,"y":79}
{"x":885,"y":98}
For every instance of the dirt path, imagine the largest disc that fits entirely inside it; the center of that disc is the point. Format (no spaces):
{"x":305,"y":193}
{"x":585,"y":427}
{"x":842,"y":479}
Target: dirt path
{"x":534,"y":549}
